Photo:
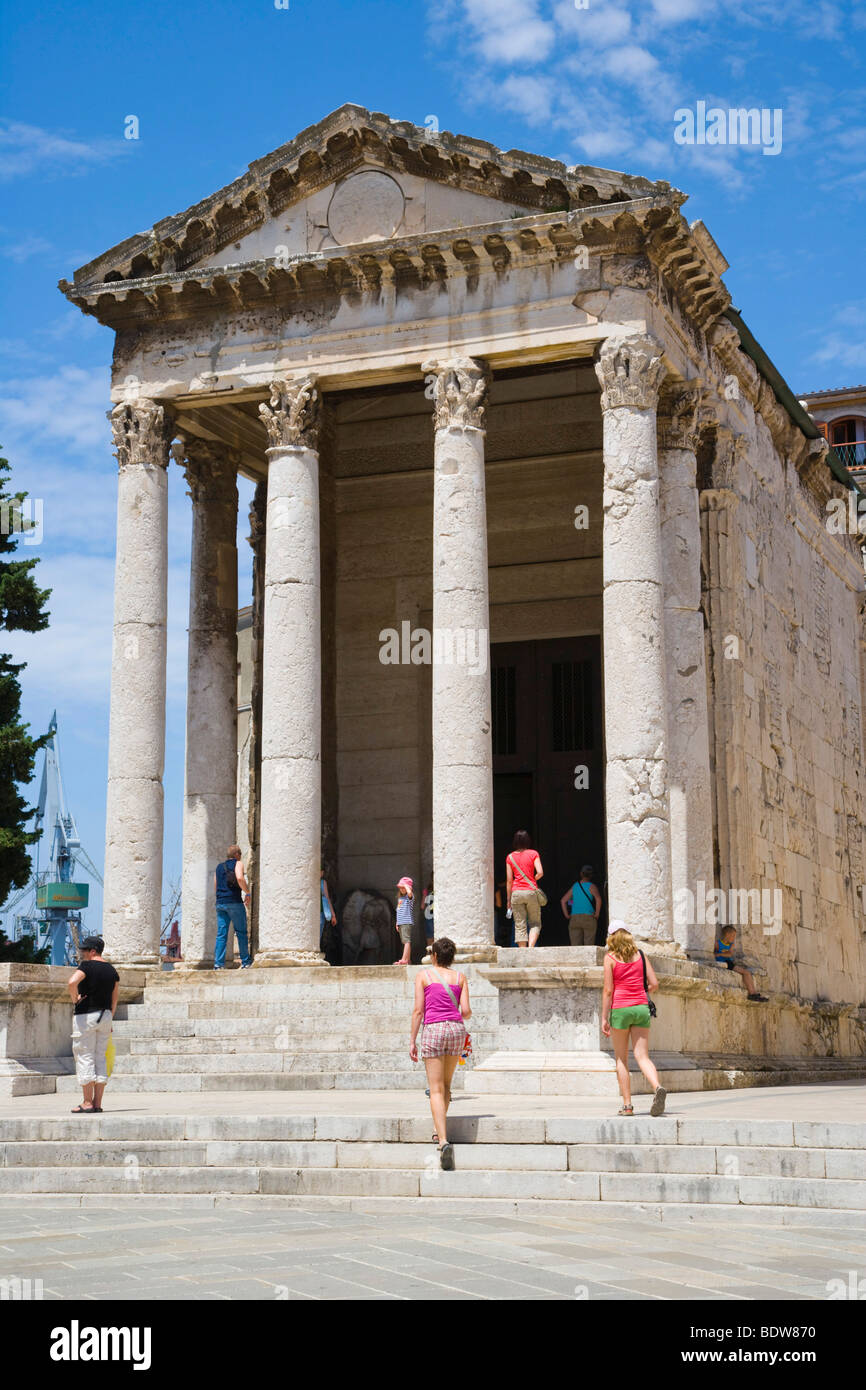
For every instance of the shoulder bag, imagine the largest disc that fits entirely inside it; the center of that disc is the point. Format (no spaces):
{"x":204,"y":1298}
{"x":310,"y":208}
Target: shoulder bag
{"x":652,"y":1008}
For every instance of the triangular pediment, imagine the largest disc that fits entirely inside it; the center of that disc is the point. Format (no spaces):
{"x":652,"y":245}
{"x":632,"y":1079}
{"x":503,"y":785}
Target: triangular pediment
{"x":371,"y":204}
{"x":354,"y":178}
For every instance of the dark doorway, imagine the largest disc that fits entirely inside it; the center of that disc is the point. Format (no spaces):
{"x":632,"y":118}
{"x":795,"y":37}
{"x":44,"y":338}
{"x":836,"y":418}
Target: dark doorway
{"x":548,"y":767}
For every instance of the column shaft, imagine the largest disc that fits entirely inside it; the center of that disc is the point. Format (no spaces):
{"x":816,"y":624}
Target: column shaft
{"x":630,"y":371}
{"x":258,"y":513}
{"x":291,"y":783}
{"x":688,"y":721}
{"x":462,"y":750}
{"x":209,"y":814}
{"x":132,"y":901}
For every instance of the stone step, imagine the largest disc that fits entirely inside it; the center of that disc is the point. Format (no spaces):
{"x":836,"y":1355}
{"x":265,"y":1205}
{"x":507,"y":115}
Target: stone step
{"x":427,"y":1180}
{"x":366,"y":1012}
{"x":675,"y":1073}
{"x":726,"y":1161}
{"x":228,"y":1080}
{"x":298,"y":988}
{"x":191,"y":1038}
{"x":218,"y":1058}
{"x":842,"y":1142}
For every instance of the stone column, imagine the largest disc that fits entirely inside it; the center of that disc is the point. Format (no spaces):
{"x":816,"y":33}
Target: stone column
{"x":727,"y":626}
{"x":209,"y":810}
{"x":462,"y":749}
{"x":132,"y":901}
{"x":630,"y":371}
{"x":291,"y":790}
{"x":258,"y":513}
{"x":691,"y":813}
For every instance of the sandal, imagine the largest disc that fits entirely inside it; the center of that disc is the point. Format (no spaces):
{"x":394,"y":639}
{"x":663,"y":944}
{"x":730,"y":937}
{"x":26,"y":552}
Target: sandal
{"x":435,"y":1138}
{"x":446,"y":1157}
{"x":626,"y":1110}
{"x":658,"y":1106}
{"x":84,"y":1110}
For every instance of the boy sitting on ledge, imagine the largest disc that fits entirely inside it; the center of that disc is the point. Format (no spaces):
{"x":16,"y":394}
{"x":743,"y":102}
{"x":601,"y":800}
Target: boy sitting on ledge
{"x":724,"y":953}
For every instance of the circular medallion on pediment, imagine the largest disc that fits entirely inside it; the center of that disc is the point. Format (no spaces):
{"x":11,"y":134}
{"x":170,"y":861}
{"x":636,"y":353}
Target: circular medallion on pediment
{"x":367,"y":206}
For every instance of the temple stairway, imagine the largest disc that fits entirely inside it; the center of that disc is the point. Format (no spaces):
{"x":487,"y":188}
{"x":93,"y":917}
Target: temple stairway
{"x":273,"y":1029}
{"x":295,"y":1086}
{"x":678,"y":1166}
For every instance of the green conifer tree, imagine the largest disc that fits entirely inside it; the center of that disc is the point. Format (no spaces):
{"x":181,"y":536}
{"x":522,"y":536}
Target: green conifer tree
{"x":22,"y":609}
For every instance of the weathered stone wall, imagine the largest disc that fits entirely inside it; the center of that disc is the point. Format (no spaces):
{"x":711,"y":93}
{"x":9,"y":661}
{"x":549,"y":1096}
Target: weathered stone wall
{"x":782,"y":597}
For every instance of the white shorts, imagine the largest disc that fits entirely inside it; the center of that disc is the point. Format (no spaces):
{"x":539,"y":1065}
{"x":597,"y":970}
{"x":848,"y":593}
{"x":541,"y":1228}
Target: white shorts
{"x":90,"y":1035}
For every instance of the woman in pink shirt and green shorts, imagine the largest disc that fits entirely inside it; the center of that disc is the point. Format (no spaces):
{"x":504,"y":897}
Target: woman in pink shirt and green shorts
{"x":625,"y":1013}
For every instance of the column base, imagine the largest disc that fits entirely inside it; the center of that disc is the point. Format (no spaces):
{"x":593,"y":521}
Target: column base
{"x":275,"y":959}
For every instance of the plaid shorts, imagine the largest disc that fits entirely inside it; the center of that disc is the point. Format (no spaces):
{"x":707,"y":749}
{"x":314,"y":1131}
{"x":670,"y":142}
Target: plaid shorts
{"x":442,"y":1039}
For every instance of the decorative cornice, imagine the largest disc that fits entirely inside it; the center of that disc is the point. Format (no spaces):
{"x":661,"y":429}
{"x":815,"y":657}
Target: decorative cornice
{"x":292,"y":418}
{"x":211,"y":470}
{"x":412,"y":263}
{"x":679,"y":403}
{"x":460,"y":386}
{"x":141,"y":434}
{"x":630,"y":371}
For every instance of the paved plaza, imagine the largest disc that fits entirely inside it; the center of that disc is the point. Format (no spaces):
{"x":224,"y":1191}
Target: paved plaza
{"x":250,"y":1251}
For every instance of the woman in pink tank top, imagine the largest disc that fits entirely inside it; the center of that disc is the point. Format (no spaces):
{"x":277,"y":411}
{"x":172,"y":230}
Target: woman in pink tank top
{"x":442,"y":1004}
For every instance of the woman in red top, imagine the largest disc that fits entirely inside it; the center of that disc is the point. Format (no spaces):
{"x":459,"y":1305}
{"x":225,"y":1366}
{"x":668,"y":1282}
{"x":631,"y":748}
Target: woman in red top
{"x":625,"y":1013}
{"x":523,"y":870}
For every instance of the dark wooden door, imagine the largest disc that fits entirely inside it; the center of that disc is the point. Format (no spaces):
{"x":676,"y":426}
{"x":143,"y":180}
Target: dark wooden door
{"x":548,"y":767}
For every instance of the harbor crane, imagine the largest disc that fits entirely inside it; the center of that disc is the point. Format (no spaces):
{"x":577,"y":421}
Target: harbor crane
{"x":53,"y":901}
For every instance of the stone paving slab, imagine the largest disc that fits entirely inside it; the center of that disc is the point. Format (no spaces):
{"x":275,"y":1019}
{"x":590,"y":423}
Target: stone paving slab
{"x":245,"y":1253}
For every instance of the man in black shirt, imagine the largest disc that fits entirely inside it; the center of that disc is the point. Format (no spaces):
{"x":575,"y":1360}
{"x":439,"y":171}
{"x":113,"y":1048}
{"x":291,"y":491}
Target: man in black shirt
{"x":93,"y":990}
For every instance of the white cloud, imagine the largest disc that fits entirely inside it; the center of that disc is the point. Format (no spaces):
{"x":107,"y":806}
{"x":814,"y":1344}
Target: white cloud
{"x":629,"y":63}
{"x":22,"y":250}
{"x":25,"y":149}
{"x":67,"y":405}
{"x":510,"y":31}
{"x":531,"y":96}
{"x":601,"y":25}
{"x":615,"y":73}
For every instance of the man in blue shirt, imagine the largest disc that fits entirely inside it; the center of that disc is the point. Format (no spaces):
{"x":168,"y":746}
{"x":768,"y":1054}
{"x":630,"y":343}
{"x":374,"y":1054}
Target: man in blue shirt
{"x":232,"y":897}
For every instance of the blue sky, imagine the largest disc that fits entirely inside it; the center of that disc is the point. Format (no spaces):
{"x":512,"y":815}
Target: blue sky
{"x":216,"y":85}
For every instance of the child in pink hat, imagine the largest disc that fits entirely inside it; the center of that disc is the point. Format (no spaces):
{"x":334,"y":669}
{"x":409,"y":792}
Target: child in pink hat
{"x":405,"y":918}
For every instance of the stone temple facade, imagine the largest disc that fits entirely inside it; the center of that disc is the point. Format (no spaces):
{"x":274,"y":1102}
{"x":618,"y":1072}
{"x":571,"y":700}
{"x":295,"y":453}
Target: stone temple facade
{"x":539,"y":539}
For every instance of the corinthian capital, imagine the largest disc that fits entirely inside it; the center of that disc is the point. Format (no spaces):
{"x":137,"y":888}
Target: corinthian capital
{"x":141,"y":433}
{"x":460,"y":386}
{"x":630,"y":371}
{"x":292,"y":418}
{"x":210,"y":469}
{"x":678,"y":415}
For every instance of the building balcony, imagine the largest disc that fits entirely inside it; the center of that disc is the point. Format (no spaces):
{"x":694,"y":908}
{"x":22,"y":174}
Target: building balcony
{"x":853,"y":456}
